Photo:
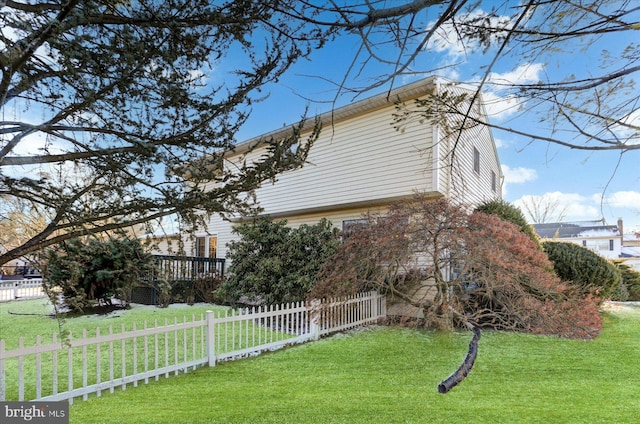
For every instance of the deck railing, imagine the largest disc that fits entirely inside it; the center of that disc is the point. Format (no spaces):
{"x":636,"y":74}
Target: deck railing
{"x":184,"y":268}
{"x":181,"y":272}
{"x":21,"y":289}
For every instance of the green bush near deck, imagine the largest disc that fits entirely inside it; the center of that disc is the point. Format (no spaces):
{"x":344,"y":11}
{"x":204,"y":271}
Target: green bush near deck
{"x":272,"y":263}
{"x":93,"y":271}
{"x":630,"y":280}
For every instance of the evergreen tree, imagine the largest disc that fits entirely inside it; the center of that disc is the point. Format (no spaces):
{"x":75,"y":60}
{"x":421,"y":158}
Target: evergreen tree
{"x":272,"y":263}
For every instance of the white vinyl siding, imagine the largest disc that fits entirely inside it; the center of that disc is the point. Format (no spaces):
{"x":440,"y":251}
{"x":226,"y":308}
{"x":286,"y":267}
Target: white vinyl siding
{"x":473,"y":161}
{"x":224,"y":228}
{"x":469,"y":186}
{"x":476,"y":160}
{"x":360,"y":161}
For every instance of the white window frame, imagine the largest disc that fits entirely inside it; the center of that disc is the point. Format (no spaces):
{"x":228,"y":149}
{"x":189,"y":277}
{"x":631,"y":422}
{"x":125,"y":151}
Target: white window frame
{"x":206,"y":247}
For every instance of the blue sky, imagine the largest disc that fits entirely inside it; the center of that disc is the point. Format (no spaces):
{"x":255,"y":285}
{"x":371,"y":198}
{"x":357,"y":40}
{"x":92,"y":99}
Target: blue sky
{"x":586,"y":185}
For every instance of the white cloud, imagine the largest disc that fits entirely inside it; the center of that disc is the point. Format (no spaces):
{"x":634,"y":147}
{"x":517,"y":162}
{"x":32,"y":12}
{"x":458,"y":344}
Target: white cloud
{"x":578,"y":207}
{"x":500,"y":143}
{"x":571,"y":206}
{"x":518,"y":175}
{"x":30,"y":145}
{"x":526,"y":73}
{"x":628,"y":130}
{"x":458,"y":48}
{"x":34,"y":144}
{"x":447,"y":39}
{"x":622,"y":199}
{"x":500,"y":106}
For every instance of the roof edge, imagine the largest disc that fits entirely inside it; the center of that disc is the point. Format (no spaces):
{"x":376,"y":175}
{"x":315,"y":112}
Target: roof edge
{"x":406,"y":92}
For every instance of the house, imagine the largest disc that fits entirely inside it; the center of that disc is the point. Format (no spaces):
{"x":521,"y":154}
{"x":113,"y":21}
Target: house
{"x":19,"y":269}
{"x":609,"y":241}
{"x":630,"y":252}
{"x":361,"y":163}
{"x":603,"y":239}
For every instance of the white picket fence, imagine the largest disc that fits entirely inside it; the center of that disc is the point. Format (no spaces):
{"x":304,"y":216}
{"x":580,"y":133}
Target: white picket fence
{"x":21,"y":289}
{"x":103,"y":362}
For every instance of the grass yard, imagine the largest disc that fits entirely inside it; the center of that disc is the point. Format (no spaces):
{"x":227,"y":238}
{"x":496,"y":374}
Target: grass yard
{"x":28,"y":319}
{"x":33,"y":320}
{"x":389,"y":375}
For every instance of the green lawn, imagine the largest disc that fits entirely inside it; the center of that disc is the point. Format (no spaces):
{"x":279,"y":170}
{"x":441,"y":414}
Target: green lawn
{"x":33,"y":320}
{"x":389,"y":375}
{"x":28,"y":319}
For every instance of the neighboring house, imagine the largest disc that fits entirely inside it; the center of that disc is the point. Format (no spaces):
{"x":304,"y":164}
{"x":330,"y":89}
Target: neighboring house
{"x":608,"y":241}
{"x":18,"y":269}
{"x":361,"y":163}
{"x":603,"y":239}
{"x":630,"y":249}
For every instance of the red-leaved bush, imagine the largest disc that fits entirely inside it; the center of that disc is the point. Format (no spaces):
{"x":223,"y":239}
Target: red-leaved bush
{"x":458,"y":267}
{"x":515,"y":286}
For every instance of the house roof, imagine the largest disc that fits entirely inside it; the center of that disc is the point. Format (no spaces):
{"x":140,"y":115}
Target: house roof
{"x":576,"y":230}
{"x":630,"y":252}
{"x":406,"y":92}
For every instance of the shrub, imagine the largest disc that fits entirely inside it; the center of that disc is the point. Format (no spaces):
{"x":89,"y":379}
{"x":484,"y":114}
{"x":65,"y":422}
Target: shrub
{"x":449,"y":267}
{"x":273,"y":263}
{"x":587,"y":270}
{"x":510,"y":213}
{"x":364,"y":260}
{"x":93,"y":271}
{"x":516,"y":288}
{"x":630,"y":281}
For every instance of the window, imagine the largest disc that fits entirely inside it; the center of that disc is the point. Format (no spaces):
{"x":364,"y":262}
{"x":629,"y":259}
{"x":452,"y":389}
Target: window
{"x":200,"y":247}
{"x":206,"y":247}
{"x":599,"y":245}
{"x":351,"y":226}
{"x":213,"y":247}
{"x":494,"y":184}
{"x":476,"y":161}
{"x":395,"y":225}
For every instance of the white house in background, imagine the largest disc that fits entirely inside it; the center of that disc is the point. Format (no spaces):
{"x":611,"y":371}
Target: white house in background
{"x":361,"y":163}
{"x":605,"y":240}
{"x":630,"y":249}
{"x":608,"y":241}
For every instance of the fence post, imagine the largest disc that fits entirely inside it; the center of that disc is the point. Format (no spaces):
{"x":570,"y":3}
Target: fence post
{"x":314,"y":321}
{"x":211,"y":339}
